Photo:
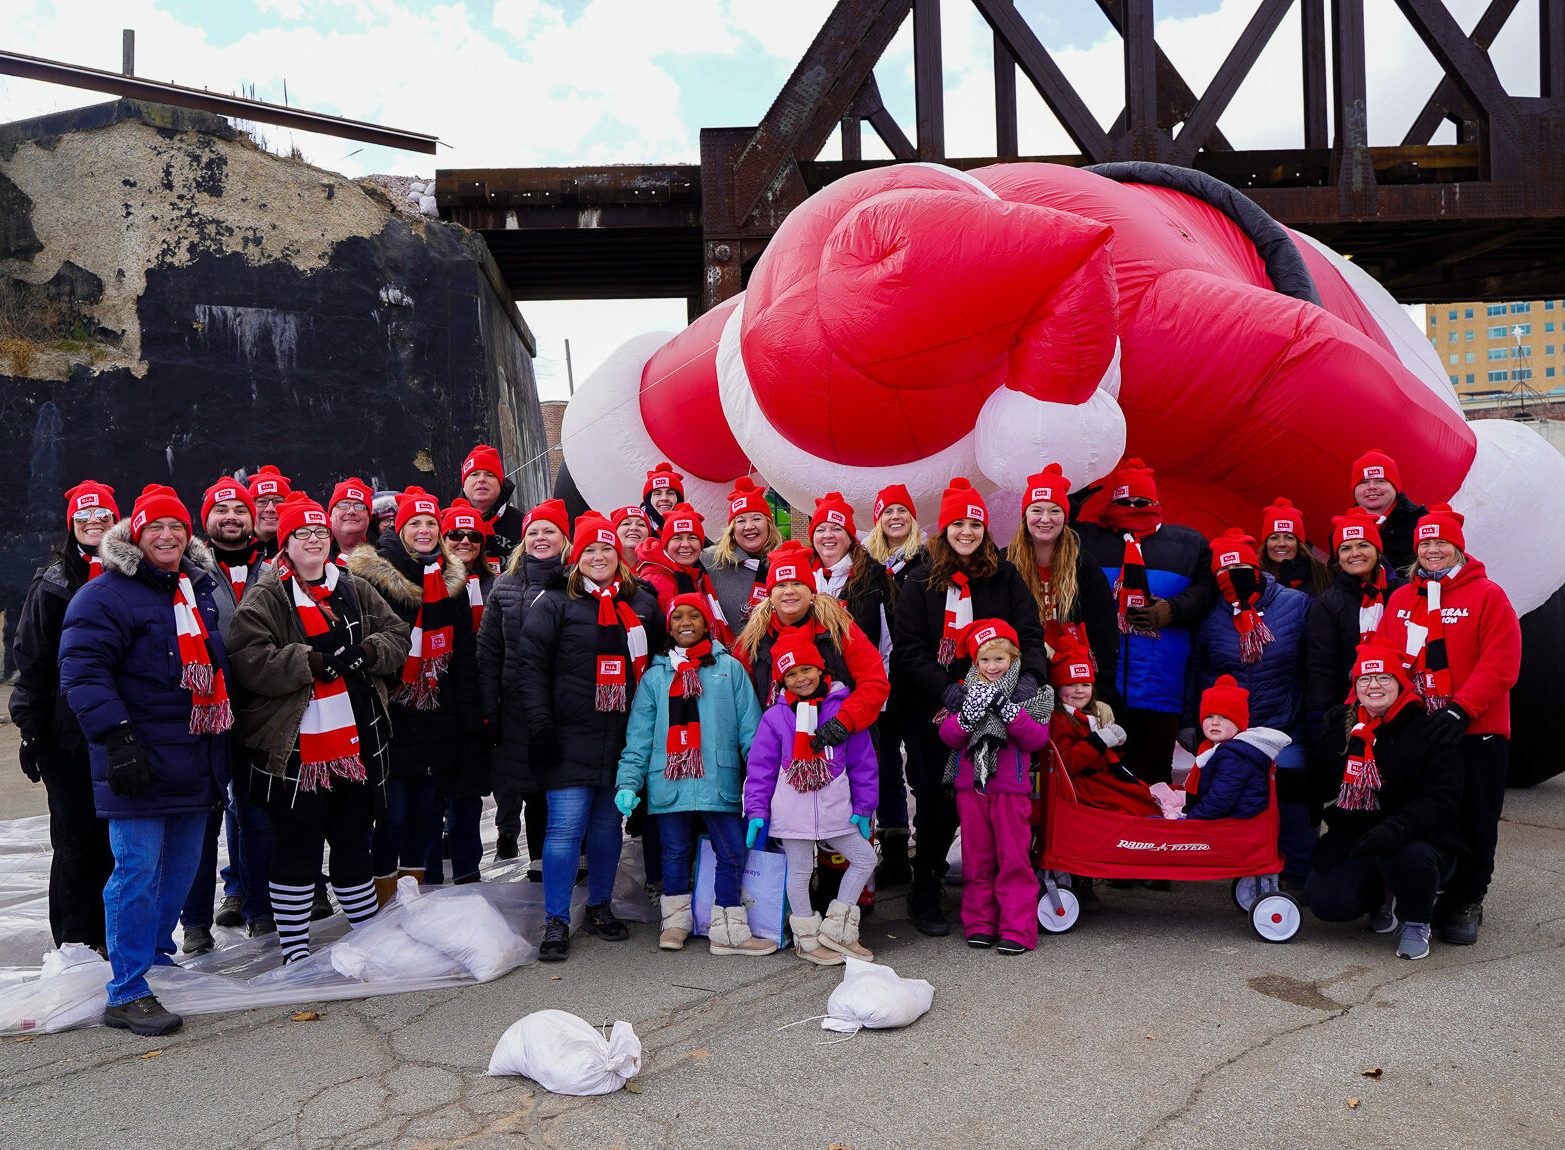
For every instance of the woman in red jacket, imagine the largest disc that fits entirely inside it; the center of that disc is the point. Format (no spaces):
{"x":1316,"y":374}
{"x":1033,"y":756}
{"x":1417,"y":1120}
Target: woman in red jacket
{"x":1461,"y":644}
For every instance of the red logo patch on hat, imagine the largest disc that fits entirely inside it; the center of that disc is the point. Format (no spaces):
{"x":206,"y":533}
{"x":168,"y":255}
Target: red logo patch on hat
{"x":983,"y":636}
{"x":1372,"y":667}
{"x":786,"y":660}
{"x":90,"y":499}
{"x":466,"y":521}
{"x":426,"y":507}
{"x":1429,"y":531}
{"x":316,"y":517}
{"x":1081,"y":670}
{"x":1228,"y":559}
{"x":661,"y":481}
{"x":786,"y":573}
{"x":1285,"y":525}
{"x":608,"y":537}
{"x":735,"y":506}
{"x":837,"y":517}
{"x":684,"y":527}
{"x":222,"y":493}
{"x":1038,"y":495}
{"x":976,"y":512}
{"x":1356,"y":531}
{"x":1374,"y":472}
{"x":355,"y":493}
{"x":1122,"y":492}
{"x":138,"y":521}
{"x":266,"y":487}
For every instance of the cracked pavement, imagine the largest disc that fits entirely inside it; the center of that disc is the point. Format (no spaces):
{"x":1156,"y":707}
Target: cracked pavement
{"x":1162,"y":1021}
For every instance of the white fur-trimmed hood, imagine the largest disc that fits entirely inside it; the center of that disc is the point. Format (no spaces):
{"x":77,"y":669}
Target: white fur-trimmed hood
{"x":118,"y":552}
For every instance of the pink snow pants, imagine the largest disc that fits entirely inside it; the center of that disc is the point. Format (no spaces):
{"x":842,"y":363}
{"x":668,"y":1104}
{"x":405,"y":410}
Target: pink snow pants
{"x":999,"y":888}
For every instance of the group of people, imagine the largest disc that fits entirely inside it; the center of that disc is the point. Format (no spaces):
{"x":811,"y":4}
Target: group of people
{"x":323,"y":684}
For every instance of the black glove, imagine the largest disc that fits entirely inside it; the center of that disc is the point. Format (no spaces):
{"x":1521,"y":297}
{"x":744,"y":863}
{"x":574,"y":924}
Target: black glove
{"x":129,"y":769}
{"x":319,"y":668}
{"x":31,"y":755}
{"x":543,"y":749}
{"x":1381,"y":839}
{"x":830,"y":734}
{"x":951,"y":697}
{"x":1448,"y":725}
{"x":348,"y":660}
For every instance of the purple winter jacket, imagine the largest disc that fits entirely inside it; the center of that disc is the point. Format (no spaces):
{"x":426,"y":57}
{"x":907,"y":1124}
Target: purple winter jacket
{"x":1012,"y":765}
{"x":855,"y":777}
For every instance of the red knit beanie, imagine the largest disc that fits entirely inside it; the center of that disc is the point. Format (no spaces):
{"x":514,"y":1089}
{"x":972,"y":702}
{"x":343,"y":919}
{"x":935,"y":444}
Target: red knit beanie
{"x":1048,"y":486}
{"x":664,"y":475}
{"x":745,"y":497}
{"x":1442,"y":523}
{"x":623,"y":514}
{"x":896,"y":493}
{"x":156,"y":501}
{"x":1228,"y":699}
{"x":225,"y":490}
{"x":1070,"y":663}
{"x":1232,"y":548}
{"x":269,"y":481}
{"x":89,"y":493}
{"x":1132,"y":479}
{"x":592,"y":528}
{"x":1376,"y":464}
{"x":415,"y":501}
{"x":982,"y":631}
{"x":483,"y":458}
{"x":691,"y":599}
{"x":1282,"y":518}
{"x":790,"y":563}
{"x":683,"y":520}
{"x":1356,"y":524}
{"x":960,"y":501}
{"x":297,"y":511}
{"x":832,"y":508}
{"x":463,"y":516}
{"x":1375,"y":658}
{"x":352,"y":488}
{"x":549,"y":511}
{"x":795,"y":649}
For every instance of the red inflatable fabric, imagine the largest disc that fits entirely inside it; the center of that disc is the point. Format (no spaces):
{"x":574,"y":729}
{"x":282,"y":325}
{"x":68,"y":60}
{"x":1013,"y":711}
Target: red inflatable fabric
{"x":680,"y":404}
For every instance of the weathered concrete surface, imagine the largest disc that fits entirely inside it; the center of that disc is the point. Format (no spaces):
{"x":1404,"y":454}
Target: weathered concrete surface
{"x":1161,"y":1022}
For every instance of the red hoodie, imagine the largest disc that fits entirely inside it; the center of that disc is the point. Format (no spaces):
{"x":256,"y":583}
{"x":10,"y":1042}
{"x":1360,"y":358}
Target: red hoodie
{"x":1483,"y":643}
{"x":669,"y":579}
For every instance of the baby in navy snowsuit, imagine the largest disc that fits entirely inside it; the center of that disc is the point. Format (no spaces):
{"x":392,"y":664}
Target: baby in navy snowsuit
{"x":1232,"y":775}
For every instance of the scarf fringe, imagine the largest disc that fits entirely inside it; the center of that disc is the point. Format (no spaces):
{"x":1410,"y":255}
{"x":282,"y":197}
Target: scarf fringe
{"x":1252,"y":643}
{"x":423,"y":694}
{"x":1433,"y":703}
{"x":609,"y":697}
{"x":685,"y":765}
{"x":211,"y":718}
{"x":806,"y":775}
{"x":313,"y":776}
{"x":947,"y":652}
{"x":690,"y":682}
{"x":198,"y":678}
{"x":1126,"y":627}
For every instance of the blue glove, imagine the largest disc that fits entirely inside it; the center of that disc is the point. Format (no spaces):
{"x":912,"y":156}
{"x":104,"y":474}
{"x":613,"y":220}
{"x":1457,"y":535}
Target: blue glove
{"x":756,"y":833}
{"x":862,"y":822}
{"x":626,"y":801}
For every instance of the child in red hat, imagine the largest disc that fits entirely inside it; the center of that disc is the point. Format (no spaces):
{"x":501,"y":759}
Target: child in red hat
{"x":1083,"y":730}
{"x":1232,"y":774}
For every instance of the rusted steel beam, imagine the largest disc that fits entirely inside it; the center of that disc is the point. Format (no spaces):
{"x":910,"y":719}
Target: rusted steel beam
{"x":1551,"y":49}
{"x":1140,"y":73}
{"x":1174,"y":97}
{"x":928,"y":80}
{"x":1447,"y":98}
{"x":1220,"y":92}
{"x":1312,"y":24}
{"x":1005,"y":135}
{"x":134,"y":87}
{"x":1034,"y":60}
{"x":852,"y":130}
{"x":869,"y":106}
{"x":1352,"y":171}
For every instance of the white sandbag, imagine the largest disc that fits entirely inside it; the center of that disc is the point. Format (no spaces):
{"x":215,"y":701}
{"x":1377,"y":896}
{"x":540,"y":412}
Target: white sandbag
{"x":566,"y":1055}
{"x":384,"y":952}
{"x":465,"y":926}
{"x":875,"y":996}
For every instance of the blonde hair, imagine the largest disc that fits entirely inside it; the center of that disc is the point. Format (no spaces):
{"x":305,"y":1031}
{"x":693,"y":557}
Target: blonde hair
{"x":442,"y":546}
{"x":880,"y":547}
{"x":1062,"y":569}
{"x":726,"y":552}
{"x":824,"y":609}
{"x":574,"y":581}
{"x":1003,"y":644}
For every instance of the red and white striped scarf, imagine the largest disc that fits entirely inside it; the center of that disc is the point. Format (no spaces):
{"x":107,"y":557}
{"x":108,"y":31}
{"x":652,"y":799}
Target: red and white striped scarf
{"x":683,"y":745}
{"x":238,"y":577}
{"x":808,"y":769}
{"x":94,"y":564}
{"x":621,"y":639}
{"x":210,"y":711}
{"x":1360,"y":790}
{"x":430,"y":654}
{"x":475,"y":600}
{"x":959,"y":616}
{"x":1427,"y":660}
{"x":328,"y":735}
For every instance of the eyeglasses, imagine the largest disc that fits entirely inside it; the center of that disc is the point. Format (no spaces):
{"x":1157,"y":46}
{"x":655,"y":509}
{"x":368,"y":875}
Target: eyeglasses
{"x":267,"y":500}
{"x":349,"y":505}
{"x":1375,"y":680}
{"x":93,"y":515}
{"x":464,"y":536}
{"x":311,"y":533}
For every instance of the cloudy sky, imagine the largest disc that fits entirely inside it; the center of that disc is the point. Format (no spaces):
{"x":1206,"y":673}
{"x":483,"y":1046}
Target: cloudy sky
{"x":555,"y":82}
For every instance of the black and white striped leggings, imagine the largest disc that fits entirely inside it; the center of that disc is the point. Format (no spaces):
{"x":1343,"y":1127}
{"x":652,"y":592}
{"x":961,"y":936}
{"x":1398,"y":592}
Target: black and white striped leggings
{"x":342,"y":817}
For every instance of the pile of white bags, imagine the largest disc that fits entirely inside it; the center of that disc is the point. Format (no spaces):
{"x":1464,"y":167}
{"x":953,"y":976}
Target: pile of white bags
{"x":449,"y":932}
{"x":566,"y":1055}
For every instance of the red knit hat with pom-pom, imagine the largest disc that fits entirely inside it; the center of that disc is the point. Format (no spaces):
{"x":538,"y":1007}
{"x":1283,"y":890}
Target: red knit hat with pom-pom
{"x":960,"y":501}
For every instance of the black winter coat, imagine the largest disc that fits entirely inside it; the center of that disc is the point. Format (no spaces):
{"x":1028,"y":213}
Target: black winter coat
{"x":559,"y":666}
{"x":38,"y":704}
{"x":448,"y":741}
{"x":1331,"y":640}
{"x":1396,"y":533}
{"x":500,"y":665}
{"x":920,"y":622}
{"x":1421,"y":786}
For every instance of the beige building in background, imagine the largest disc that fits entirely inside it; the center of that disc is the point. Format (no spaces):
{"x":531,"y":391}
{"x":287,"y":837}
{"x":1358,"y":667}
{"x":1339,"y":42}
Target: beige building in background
{"x":1500,"y":347}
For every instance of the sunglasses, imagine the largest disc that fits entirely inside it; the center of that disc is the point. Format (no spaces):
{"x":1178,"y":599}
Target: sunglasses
{"x":93,"y":515}
{"x":1136,"y":502}
{"x":465,"y":536}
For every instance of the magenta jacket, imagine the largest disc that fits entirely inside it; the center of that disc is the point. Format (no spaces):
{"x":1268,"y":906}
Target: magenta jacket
{"x":1013,"y":765}
{"x":822,"y":814}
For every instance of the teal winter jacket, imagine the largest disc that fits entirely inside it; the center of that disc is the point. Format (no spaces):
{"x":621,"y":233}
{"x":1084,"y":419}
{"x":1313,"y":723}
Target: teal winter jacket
{"x":729,"y":713}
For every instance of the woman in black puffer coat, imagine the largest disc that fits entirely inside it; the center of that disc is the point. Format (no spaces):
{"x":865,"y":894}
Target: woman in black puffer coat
{"x":583,"y":649}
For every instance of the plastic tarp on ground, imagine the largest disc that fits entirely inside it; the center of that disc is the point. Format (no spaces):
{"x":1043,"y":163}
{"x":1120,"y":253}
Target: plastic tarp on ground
{"x":409,"y":946}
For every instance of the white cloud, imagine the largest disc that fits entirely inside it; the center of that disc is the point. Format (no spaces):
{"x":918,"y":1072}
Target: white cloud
{"x":595,"y":328}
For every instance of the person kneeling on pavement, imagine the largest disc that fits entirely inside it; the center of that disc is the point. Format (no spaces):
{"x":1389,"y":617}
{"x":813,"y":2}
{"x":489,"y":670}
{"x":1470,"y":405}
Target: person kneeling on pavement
{"x":1391,"y":793}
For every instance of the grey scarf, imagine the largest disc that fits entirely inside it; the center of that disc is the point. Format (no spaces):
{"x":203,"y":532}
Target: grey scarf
{"x":986,"y":714}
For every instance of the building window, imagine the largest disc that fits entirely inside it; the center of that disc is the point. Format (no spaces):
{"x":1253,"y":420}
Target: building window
{"x":1468,"y":314}
{"x":1499,"y":376}
{"x":1455,"y":359}
{"x":1451,"y":338}
{"x":1453,"y":381}
{"x":1548,"y":349}
{"x":1452,"y":316}
{"x":1522,"y":373}
{"x":1548,"y":305}
{"x":1467,"y":336}
{"x":1496,"y":309}
{"x":1521,"y":352}
{"x":1469,"y":357}
{"x":1526,"y":328}
{"x":1549,"y":326}
{"x":1548,"y":373}
{"x":1499,"y":332}
{"x":1520,"y":308}
{"x":1470,"y":376}
{"x":1499,"y":353}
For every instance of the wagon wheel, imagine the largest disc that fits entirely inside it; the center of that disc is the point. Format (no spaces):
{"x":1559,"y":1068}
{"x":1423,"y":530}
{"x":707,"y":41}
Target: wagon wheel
{"x":1276,"y":917}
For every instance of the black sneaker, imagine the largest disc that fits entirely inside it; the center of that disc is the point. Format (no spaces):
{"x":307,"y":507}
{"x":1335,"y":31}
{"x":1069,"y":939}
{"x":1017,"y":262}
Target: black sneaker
{"x":923,"y":907}
{"x":601,"y":922}
{"x":1461,"y":925}
{"x":980,"y":941}
{"x":506,"y":847}
{"x":1011,"y":946}
{"x":198,"y":940}
{"x":144,"y":1016}
{"x":230,"y":912}
{"x":321,"y":907}
{"x":556,"y":940}
{"x":264,"y":925}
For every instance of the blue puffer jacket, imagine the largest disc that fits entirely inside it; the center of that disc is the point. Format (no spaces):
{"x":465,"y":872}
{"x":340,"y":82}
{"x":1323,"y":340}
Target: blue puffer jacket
{"x":1235,"y":781}
{"x":1276,"y":683}
{"x":119,"y":662}
{"x":729,"y":713}
{"x":1151,"y":673}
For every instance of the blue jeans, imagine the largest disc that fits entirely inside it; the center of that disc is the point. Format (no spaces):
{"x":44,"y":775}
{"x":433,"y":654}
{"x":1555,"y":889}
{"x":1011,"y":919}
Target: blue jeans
{"x":198,"y":909}
{"x":727,"y":832}
{"x":232,"y":883}
{"x":155,"y":860}
{"x":467,"y":848}
{"x":578,"y":814}
{"x":402,"y":836}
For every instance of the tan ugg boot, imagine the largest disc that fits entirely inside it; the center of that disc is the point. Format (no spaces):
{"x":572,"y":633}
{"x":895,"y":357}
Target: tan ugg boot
{"x":677,"y":921}
{"x":417,"y":874}
{"x":807,"y":942}
{"x":840,"y":931}
{"x":385,"y":888}
{"x":730,"y":933}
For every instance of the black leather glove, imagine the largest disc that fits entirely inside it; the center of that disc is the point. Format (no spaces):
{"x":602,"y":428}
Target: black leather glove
{"x":951,"y":697}
{"x":543,"y":749}
{"x":31,"y":756}
{"x":1448,"y":725}
{"x":129,"y":769}
{"x":319,"y":668}
{"x":1381,"y":839}
{"x":347,"y":660}
{"x":830,"y":734}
